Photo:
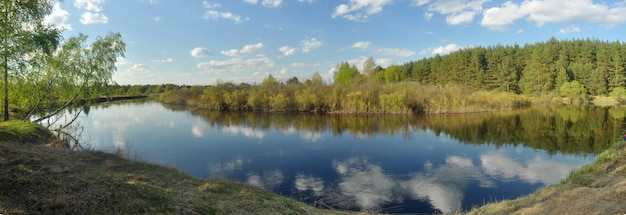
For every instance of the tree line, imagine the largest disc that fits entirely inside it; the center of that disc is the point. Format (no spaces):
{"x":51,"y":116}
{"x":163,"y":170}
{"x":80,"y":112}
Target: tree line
{"x":533,"y":69}
{"x":469,"y":80}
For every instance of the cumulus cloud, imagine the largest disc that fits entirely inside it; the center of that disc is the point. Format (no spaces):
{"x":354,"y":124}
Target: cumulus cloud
{"x":359,"y":10}
{"x":238,"y":64}
{"x":287,"y":51}
{"x":307,"y":1}
{"x":93,"y":18}
{"x":92,"y":11}
{"x":569,"y":29}
{"x":396,"y":52}
{"x":59,"y":18}
{"x":441,"y":50}
{"x":200,"y":52}
{"x":554,"y":11}
{"x":361,"y":45}
{"x":89,"y":5}
{"x":308,"y":44}
{"x":212,"y":13}
{"x":456,"y":11}
{"x":250,"y":1}
{"x":247,"y":49}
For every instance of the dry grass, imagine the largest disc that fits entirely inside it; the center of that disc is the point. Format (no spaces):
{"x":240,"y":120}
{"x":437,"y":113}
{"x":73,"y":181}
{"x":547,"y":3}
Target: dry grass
{"x":36,"y":179}
{"x":596,"y":188}
{"x":604,"y":101}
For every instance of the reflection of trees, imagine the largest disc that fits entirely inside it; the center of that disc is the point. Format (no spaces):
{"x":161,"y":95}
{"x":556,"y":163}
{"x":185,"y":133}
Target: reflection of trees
{"x":561,"y":130}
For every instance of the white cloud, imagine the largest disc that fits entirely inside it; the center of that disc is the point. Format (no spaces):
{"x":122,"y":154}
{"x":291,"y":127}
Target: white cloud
{"x":247,"y":49}
{"x":211,"y":13}
{"x":121,"y":61}
{"x":89,"y":5}
{"x":137,"y":69}
{"x":497,"y":18}
{"x":287,"y":51}
{"x":155,"y":1}
{"x":396,"y":52}
{"x":200,"y":52}
{"x":428,"y":16}
{"x":272,"y":3}
{"x":308,"y":44}
{"x":92,"y":11}
{"x":59,"y":18}
{"x":157,"y":18}
{"x":461,"y":18}
{"x":456,"y":11}
{"x":209,"y":5}
{"x":297,"y":64}
{"x":237,"y":64}
{"x":554,"y":11}
{"x":93,"y":18}
{"x":420,"y":2}
{"x":361,"y":45}
{"x":569,"y":29}
{"x":307,"y":1}
{"x":441,"y":50}
{"x":250,"y":1}
{"x":360,"y":10}
{"x":166,"y":60}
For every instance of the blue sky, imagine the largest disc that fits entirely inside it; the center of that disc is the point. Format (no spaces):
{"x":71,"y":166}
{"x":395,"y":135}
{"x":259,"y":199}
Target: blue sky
{"x":201,"y":42}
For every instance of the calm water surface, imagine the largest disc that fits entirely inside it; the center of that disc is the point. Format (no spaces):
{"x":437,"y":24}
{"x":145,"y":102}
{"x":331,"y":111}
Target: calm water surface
{"x":392,"y":164}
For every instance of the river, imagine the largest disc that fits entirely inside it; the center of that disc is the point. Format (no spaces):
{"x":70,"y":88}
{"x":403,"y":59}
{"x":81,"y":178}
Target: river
{"x":390,"y":164}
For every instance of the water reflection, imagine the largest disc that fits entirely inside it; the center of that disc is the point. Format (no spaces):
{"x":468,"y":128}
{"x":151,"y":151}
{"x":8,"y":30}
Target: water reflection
{"x":407,"y":164}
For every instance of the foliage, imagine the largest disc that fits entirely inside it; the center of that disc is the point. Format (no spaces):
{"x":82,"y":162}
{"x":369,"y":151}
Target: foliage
{"x":26,"y":42}
{"x":344,"y":73}
{"x":575,"y":91}
{"x":619,"y":94}
{"x":43,"y":75}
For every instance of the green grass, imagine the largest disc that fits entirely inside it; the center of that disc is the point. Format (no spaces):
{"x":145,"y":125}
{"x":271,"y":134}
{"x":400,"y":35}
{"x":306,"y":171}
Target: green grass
{"x":23,"y":131}
{"x":37,"y":179}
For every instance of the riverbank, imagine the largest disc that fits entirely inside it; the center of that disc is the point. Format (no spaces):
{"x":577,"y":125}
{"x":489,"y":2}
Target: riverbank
{"x":595,"y":188}
{"x":38,"y":178}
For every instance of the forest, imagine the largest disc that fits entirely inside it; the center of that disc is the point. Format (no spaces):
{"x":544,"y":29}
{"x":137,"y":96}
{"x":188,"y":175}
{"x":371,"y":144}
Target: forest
{"x":477,"y":79}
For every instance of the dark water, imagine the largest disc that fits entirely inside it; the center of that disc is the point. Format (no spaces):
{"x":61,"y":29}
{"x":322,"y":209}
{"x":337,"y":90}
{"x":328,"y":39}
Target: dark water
{"x":392,"y":164}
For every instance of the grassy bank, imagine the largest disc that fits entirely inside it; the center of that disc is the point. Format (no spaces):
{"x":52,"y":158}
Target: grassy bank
{"x":36,"y":178}
{"x":596,"y":188}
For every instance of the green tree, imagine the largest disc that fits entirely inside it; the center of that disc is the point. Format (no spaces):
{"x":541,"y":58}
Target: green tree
{"x":574,"y":91}
{"x":24,"y":34}
{"x":619,"y":94}
{"x":76,"y":70}
{"x":344,"y":73}
{"x":369,"y":66}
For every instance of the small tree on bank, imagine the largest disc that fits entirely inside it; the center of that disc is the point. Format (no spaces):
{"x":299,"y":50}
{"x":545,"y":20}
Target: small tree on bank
{"x":39,"y":76}
{"x":574,"y":91}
